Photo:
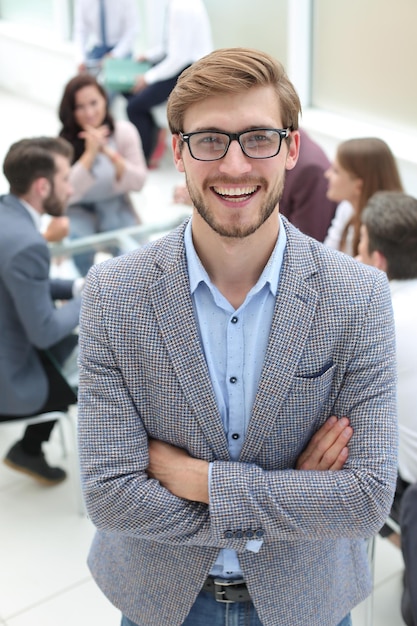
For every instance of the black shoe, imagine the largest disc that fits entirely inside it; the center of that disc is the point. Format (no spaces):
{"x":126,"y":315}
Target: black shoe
{"x":34,"y":466}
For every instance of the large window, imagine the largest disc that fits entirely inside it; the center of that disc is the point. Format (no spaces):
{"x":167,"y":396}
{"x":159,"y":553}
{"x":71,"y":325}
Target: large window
{"x":364,"y":60}
{"x":261,"y":24}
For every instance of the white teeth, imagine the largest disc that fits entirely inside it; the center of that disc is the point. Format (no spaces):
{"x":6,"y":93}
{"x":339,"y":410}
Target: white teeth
{"x":239,"y":191}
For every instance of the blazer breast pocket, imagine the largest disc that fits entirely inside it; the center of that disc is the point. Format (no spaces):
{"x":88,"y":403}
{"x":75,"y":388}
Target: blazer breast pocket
{"x":310,"y":391}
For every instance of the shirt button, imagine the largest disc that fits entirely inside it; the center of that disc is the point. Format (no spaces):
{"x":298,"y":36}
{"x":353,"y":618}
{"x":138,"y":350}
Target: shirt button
{"x":235,"y":436}
{"x":233,"y":380}
{"x":234,"y":320}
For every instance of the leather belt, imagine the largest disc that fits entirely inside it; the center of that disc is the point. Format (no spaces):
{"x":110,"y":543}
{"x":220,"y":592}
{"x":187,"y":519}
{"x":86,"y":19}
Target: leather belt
{"x":225,"y":590}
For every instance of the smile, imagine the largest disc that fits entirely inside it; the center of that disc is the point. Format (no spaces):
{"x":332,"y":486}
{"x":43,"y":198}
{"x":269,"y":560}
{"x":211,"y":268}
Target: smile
{"x":237,"y":194}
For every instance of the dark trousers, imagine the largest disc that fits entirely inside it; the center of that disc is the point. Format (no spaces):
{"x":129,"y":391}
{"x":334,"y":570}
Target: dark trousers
{"x":401,"y":487}
{"x":60,"y":397}
{"x":408,"y":523}
{"x":139,"y":107}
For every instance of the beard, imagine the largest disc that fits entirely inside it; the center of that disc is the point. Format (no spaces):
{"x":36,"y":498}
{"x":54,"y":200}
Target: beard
{"x":52,"y":205}
{"x":236,"y":231}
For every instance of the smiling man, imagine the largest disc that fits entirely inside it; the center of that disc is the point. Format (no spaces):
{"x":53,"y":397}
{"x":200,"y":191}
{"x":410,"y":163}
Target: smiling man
{"x":221,"y":363}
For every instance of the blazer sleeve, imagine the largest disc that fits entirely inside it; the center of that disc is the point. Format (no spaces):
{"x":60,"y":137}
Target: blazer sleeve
{"x":29,"y":286}
{"x":353,"y":502}
{"x":113,"y":448}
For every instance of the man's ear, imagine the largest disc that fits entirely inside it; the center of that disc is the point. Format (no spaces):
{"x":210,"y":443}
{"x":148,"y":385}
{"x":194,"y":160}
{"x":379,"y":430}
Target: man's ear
{"x":177,"y":148}
{"x":293,"y":150}
{"x":42,"y":186}
{"x":379,"y":260}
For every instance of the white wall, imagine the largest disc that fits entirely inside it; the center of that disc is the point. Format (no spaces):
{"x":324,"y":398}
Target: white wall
{"x":34,"y":66}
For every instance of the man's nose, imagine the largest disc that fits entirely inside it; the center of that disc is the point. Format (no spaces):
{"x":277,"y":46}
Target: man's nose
{"x":235,"y":160}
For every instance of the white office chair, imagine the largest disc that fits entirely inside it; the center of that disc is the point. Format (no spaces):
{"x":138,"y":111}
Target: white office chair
{"x":60,"y":417}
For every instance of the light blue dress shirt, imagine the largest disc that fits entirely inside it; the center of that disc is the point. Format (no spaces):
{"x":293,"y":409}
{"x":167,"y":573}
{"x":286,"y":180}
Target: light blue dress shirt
{"x":234,"y":343}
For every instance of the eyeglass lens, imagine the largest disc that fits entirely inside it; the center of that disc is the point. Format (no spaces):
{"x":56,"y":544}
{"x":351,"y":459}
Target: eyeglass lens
{"x":257,"y":144}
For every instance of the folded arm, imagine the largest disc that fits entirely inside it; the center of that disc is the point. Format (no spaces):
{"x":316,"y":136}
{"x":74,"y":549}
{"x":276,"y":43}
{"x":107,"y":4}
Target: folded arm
{"x":116,"y":455}
{"x":188,"y":478}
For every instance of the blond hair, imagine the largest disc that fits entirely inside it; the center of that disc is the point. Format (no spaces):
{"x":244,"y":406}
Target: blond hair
{"x":231,"y":71}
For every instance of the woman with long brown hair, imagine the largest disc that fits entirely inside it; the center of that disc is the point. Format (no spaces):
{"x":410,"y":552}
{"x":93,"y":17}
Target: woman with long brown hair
{"x":361,"y":167}
{"x":108,"y":163}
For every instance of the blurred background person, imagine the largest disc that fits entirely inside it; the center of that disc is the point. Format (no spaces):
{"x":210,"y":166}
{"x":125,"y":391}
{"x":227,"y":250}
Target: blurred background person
{"x":408,"y":524}
{"x":108,"y":163}
{"x":304,"y":200}
{"x":388,"y":241}
{"x":187,"y":37}
{"x":32,"y":327}
{"x":104,"y":28}
{"x":361,"y":167}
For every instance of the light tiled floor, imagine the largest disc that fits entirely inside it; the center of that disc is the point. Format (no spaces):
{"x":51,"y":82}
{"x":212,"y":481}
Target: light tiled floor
{"x":44,"y":580}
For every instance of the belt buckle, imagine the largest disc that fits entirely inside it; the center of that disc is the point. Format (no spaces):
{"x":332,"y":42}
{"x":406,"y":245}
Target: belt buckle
{"x":219,"y":592}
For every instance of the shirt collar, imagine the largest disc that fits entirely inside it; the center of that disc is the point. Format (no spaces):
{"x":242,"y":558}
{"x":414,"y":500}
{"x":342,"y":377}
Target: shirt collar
{"x":34,"y":214}
{"x":270,"y":274}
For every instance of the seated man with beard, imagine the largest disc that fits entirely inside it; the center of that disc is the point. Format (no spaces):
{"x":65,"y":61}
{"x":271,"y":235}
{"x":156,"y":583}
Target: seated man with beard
{"x":35,"y":333}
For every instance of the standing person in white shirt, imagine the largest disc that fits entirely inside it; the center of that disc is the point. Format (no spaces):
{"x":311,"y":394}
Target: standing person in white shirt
{"x":187,"y":38}
{"x":389,"y":242}
{"x":111,"y":35}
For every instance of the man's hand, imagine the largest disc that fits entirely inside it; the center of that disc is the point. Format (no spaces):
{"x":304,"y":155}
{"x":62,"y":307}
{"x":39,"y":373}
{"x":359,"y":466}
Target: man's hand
{"x":140,"y":84}
{"x":327,"y":449}
{"x":177,"y":471}
{"x":57,"y":229}
{"x":186,"y":477}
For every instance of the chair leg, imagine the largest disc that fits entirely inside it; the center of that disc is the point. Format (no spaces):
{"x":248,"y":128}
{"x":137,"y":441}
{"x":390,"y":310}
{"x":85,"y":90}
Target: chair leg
{"x":369,"y":602}
{"x":62,"y":439}
{"x":75,"y":466}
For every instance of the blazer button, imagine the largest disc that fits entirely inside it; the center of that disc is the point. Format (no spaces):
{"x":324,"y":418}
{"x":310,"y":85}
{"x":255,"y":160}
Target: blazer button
{"x":259,"y":533}
{"x":238,"y":534}
{"x":228,"y":534}
{"x":249,"y":534}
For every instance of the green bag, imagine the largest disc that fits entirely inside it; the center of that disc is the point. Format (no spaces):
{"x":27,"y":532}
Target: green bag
{"x":121,"y":74}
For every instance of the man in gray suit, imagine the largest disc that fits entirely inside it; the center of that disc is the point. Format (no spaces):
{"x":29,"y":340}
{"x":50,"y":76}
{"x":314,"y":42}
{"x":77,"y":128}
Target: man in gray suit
{"x":35,"y":334}
{"x":209,"y":359}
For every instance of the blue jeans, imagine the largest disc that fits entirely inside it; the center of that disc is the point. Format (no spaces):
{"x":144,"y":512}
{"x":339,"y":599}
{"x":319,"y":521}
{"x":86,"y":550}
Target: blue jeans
{"x":206,"y":611}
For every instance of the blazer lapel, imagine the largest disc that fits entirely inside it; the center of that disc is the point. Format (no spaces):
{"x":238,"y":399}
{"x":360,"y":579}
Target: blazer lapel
{"x":174,"y":310}
{"x":294,"y":313}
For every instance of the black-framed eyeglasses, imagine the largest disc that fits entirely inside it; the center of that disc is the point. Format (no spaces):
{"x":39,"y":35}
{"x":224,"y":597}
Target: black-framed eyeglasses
{"x":258,"y":143}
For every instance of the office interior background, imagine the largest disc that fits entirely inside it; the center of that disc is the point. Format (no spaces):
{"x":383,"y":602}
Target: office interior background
{"x":352,"y":62}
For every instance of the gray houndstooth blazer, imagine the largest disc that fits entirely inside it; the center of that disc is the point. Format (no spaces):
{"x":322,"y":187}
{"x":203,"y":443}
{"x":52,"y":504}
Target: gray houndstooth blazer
{"x":143,"y":373}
